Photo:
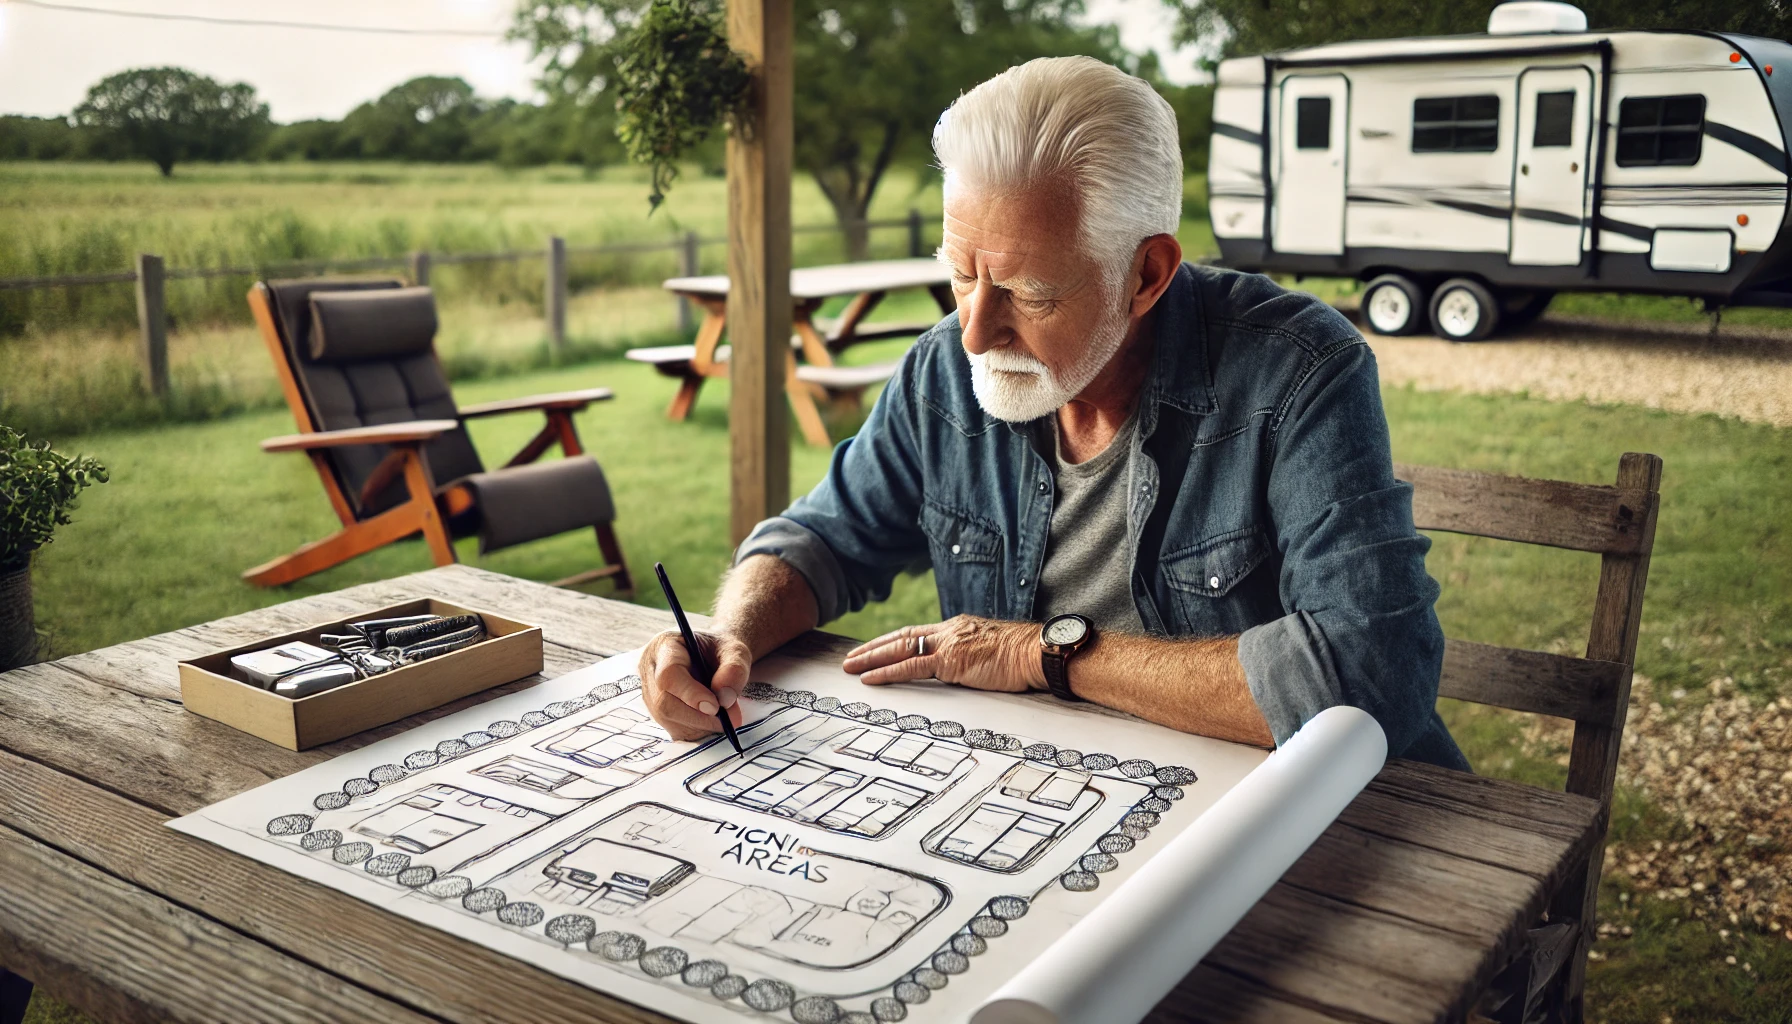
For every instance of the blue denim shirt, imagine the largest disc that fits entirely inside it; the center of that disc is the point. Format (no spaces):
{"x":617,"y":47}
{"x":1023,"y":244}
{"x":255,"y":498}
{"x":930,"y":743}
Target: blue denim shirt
{"x":1266,"y":506}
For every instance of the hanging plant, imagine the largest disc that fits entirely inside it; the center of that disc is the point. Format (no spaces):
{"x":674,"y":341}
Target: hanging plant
{"x":676,"y":81}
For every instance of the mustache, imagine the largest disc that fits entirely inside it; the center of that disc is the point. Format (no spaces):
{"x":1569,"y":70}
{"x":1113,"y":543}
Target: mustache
{"x":1007,"y":361}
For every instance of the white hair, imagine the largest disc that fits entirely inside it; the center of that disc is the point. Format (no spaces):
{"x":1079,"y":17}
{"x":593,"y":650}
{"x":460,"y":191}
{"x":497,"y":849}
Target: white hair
{"x":1110,"y":133}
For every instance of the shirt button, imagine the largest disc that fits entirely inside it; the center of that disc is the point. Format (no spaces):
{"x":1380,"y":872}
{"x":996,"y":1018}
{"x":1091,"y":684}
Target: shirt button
{"x":1023,"y":581}
{"x":1213,"y":582}
{"x":1042,"y":487}
{"x":955,"y":549}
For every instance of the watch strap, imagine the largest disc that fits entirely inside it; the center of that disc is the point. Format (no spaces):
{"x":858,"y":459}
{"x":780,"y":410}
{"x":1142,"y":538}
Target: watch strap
{"x":1057,"y":675}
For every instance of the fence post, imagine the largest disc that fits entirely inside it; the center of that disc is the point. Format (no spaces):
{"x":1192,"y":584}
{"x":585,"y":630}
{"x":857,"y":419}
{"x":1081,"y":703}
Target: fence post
{"x":420,"y":269}
{"x":152,"y":322}
{"x":914,"y":232}
{"x":556,"y":291}
{"x":687,"y":267}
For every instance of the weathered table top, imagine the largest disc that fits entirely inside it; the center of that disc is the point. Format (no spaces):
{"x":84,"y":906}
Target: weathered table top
{"x":1401,"y":912}
{"x":830,"y":281}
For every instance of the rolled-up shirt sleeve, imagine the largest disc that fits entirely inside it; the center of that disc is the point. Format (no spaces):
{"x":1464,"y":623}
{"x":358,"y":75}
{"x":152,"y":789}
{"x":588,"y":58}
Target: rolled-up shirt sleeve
{"x":1360,"y":627}
{"x":859,"y":527}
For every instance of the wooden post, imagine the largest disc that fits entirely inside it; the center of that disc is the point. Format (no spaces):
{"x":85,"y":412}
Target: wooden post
{"x":152,"y":322}
{"x":556,"y":291}
{"x":687,"y":267}
{"x":420,"y":269}
{"x":914,"y":232}
{"x":759,"y":314}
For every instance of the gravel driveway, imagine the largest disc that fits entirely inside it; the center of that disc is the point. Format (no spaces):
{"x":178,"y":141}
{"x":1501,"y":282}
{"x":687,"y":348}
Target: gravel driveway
{"x":1740,"y":372}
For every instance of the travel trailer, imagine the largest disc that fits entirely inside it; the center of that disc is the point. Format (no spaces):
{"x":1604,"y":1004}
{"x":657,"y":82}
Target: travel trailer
{"x":1467,"y":179}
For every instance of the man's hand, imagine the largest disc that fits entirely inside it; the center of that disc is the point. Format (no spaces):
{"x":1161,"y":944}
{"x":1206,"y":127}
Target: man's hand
{"x":985,"y":654}
{"x":682,"y":706}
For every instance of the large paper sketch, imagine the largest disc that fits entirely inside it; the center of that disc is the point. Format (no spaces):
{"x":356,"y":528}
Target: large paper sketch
{"x":876,"y":855}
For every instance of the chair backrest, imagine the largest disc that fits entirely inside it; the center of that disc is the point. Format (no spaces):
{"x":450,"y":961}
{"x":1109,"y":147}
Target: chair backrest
{"x":1617,"y":522}
{"x":331,"y":390}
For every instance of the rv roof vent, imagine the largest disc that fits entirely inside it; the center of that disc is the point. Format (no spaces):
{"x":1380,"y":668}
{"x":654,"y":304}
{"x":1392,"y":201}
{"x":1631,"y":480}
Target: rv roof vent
{"x":1524,"y":17}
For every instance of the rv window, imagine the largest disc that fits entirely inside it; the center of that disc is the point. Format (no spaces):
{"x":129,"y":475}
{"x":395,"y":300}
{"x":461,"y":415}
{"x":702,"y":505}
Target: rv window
{"x":1313,"y":122}
{"x":1456,"y":124}
{"x":1555,"y":120}
{"x":1658,"y":130}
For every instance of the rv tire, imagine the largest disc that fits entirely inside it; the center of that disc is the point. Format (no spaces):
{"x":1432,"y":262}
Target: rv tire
{"x":1462,"y":309}
{"x":1521,"y":307}
{"x":1393,"y":304}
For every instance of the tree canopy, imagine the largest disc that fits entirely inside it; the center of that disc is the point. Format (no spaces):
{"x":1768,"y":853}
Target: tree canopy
{"x":166,"y":115}
{"x":1262,"y":26}
{"x":872,"y":76}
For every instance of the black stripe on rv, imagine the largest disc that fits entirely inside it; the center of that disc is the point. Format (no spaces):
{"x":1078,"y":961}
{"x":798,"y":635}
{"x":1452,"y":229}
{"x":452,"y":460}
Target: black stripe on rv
{"x":1616,"y":227}
{"x":1549,"y":216}
{"x":1232,"y":131}
{"x":1753,"y":145}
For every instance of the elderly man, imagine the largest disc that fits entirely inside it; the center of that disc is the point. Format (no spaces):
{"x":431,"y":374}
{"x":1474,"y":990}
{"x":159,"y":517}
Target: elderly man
{"x":1160,"y":487}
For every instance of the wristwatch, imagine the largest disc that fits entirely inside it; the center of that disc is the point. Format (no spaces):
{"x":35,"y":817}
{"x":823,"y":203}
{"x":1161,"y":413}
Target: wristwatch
{"x":1061,"y":637}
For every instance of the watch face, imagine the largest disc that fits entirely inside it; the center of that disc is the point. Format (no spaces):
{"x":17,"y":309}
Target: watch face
{"x":1065,"y":630}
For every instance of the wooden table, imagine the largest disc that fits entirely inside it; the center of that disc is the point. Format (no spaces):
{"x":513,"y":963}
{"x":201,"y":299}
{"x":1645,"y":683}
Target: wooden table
{"x":810,"y":287}
{"x":1402,"y":912}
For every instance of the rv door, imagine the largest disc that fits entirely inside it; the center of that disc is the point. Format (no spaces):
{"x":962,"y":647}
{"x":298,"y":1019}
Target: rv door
{"x":1549,"y":169}
{"x":1310,"y":164}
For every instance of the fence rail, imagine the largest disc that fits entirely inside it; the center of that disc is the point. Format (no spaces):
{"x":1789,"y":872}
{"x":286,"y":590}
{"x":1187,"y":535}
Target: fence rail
{"x":150,"y":277}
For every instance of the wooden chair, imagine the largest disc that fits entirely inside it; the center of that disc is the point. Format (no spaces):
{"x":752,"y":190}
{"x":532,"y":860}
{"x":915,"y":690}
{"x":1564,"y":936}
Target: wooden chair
{"x":390,"y":446}
{"x":1617,"y":522}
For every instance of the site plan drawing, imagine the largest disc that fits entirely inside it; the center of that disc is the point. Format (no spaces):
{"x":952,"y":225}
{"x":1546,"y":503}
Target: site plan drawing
{"x":878,"y":853}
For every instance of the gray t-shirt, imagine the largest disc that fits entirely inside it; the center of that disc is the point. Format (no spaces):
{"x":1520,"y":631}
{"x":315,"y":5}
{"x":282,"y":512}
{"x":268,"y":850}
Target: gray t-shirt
{"x":1088,"y":551}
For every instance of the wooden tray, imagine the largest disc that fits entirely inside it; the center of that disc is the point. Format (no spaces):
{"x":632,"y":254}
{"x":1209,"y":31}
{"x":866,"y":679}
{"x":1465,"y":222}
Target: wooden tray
{"x":511,"y":651}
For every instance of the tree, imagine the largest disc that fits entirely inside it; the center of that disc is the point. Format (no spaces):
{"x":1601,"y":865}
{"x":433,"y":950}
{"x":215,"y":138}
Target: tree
{"x":304,"y":140}
{"x":170,"y":114}
{"x":872,"y":76}
{"x":428,"y":118}
{"x":1262,"y":26}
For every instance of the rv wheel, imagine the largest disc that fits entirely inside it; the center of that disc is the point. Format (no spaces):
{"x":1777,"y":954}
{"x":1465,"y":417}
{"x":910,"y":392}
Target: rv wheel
{"x":1464,"y":310}
{"x":1519,"y":308}
{"x":1393,"y":304}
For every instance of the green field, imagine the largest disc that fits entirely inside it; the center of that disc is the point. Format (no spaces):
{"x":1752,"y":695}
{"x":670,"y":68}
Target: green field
{"x":68,"y":356}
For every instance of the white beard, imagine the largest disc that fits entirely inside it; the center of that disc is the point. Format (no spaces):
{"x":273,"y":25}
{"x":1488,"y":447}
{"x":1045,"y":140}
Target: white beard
{"x":1018,"y":388}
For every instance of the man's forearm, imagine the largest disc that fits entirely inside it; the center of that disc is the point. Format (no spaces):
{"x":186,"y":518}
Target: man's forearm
{"x":765,"y":603}
{"x":1195,"y":686}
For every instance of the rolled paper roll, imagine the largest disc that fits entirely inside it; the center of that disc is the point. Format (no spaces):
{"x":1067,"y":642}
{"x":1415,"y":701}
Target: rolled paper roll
{"x":300,"y":685}
{"x":1116,"y":963}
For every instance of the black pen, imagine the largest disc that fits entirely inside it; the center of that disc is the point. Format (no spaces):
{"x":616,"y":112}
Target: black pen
{"x":699,"y":664}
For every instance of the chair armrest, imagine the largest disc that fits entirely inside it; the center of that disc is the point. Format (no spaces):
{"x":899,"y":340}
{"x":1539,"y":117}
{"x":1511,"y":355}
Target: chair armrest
{"x":386,"y":433}
{"x":571,"y":401}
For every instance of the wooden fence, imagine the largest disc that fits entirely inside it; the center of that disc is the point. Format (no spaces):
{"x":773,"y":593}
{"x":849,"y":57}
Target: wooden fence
{"x":151,"y":276}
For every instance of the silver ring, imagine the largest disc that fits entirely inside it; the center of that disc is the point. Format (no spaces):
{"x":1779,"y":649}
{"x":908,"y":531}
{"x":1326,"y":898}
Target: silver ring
{"x":921,"y":646}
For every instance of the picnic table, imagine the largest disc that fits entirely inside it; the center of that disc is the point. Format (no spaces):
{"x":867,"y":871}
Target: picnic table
{"x":1401,"y":913}
{"x":817,"y":377}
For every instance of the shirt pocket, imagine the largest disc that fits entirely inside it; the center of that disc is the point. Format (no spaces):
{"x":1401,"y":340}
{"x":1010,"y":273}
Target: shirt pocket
{"x":967,"y":559}
{"x":1206,"y":583}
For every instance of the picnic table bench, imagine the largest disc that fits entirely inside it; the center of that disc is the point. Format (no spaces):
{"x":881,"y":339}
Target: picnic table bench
{"x":815,"y":376}
{"x":1401,"y":913}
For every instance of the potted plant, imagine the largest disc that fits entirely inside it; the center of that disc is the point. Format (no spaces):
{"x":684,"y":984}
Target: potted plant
{"x":38,"y":489}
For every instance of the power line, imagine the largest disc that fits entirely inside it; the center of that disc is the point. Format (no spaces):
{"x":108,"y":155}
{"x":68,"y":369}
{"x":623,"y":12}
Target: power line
{"x":259,"y":22}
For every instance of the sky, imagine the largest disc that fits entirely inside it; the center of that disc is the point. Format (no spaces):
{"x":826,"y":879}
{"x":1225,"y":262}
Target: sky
{"x":49,"y":57}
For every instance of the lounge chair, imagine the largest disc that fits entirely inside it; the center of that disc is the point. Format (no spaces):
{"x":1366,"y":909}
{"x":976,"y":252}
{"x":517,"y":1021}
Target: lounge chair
{"x":356,"y":359}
